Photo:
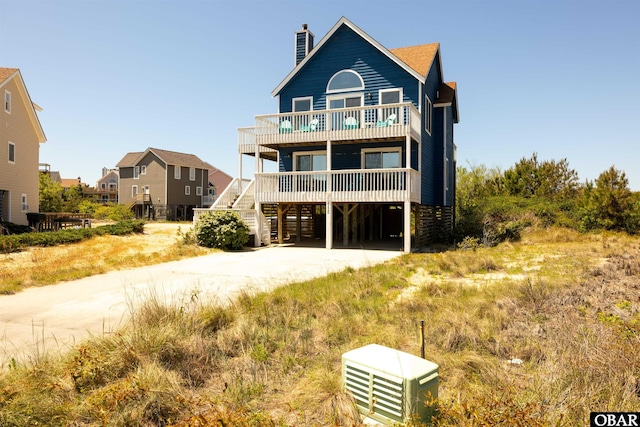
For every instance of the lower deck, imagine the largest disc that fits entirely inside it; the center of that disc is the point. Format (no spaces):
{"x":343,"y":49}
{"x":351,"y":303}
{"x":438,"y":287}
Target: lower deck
{"x":358,"y":225}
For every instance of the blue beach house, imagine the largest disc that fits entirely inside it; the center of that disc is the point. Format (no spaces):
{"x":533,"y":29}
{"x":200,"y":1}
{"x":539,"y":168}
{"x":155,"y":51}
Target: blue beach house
{"x":364,"y":146}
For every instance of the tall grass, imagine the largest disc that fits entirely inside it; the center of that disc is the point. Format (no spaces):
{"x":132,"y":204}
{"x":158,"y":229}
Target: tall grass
{"x":273,"y":359}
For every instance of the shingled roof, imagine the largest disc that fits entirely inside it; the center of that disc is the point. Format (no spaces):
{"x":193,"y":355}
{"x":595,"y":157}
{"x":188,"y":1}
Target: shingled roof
{"x":419,"y":58}
{"x":169,"y":157}
{"x":5,"y":73}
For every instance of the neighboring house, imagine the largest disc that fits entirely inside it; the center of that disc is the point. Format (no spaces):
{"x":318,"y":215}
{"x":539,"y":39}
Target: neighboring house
{"x":106,"y":189}
{"x":162,"y":184}
{"x":68,"y":183}
{"x":20,"y":137}
{"x":218,"y":182}
{"x":363,"y":143}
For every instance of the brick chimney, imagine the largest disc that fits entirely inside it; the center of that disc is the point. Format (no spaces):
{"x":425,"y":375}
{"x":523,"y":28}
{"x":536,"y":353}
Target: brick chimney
{"x":304,"y":43}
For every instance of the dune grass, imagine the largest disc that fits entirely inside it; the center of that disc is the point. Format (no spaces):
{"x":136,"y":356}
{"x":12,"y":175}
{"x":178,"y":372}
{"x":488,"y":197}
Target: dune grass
{"x":40,"y":266}
{"x":534,"y":333}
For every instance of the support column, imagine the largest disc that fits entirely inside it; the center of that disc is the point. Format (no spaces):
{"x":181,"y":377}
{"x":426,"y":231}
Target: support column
{"x":345,"y":225}
{"x":280,"y":226}
{"x":258,"y":238}
{"x":329,"y":223}
{"x":298,"y":223}
{"x":407,"y":226}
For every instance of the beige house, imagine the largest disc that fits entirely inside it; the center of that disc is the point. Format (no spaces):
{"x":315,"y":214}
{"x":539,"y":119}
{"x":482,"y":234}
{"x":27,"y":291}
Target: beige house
{"x":162,"y":184}
{"x":106,"y":189}
{"x":20,"y":138}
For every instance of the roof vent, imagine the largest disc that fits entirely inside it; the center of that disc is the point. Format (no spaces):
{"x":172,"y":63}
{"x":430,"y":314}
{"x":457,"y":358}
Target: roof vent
{"x":304,"y":43}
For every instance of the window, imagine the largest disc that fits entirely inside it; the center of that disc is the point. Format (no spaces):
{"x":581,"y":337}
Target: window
{"x":316,"y":161}
{"x":192,"y":174}
{"x":25,"y":206}
{"x":12,"y":152}
{"x":198,"y":191}
{"x":302,"y":104}
{"x":145,"y":189}
{"x":143,"y":169}
{"x":390,"y":96}
{"x":446,"y":174}
{"x":176,"y":172}
{"x":134,"y":190}
{"x":103,"y":186}
{"x":345,"y":80}
{"x":136,"y":172}
{"x":375,"y":158}
{"x":187,"y":190}
{"x":7,"y":101}
{"x":428,"y":114}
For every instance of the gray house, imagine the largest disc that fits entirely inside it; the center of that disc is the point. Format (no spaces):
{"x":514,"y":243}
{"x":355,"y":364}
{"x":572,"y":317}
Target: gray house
{"x":162,"y":184}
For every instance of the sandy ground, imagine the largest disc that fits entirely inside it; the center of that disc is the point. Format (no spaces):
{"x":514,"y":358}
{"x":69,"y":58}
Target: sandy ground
{"x":55,"y":317}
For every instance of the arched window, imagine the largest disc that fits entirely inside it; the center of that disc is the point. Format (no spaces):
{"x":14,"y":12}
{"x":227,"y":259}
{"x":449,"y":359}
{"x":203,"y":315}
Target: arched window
{"x":345,"y":80}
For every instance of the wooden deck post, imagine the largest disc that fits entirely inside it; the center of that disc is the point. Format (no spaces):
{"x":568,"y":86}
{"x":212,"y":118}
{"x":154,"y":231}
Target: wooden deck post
{"x":298,"y":223}
{"x":280,"y":221}
{"x":407,"y":226}
{"x":345,"y":225}
{"x":329,"y":223}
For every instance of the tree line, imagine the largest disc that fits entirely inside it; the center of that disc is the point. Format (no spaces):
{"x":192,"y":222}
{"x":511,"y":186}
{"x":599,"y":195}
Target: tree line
{"x":55,"y":198}
{"x":492,"y":205}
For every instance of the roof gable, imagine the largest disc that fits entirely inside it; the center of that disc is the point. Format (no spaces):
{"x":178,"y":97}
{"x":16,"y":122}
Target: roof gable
{"x":409,"y":62}
{"x":166,"y":156}
{"x":419,"y":58}
{"x":9,"y":74}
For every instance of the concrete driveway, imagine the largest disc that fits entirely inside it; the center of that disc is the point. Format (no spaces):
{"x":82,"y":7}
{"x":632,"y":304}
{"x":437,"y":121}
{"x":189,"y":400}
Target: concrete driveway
{"x":55,"y":317}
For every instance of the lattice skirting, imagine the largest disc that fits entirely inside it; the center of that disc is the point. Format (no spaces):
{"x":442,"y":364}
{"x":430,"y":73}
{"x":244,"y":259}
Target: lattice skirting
{"x":434,"y":224}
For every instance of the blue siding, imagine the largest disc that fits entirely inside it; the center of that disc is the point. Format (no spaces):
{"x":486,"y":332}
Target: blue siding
{"x":343,"y":156}
{"x":431,"y":181}
{"x":450,"y":151}
{"x":347,"y":50}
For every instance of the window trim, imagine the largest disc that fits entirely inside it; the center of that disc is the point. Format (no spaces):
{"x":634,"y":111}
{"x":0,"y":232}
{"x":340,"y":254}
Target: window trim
{"x":24,"y":207}
{"x":134,"y":190}
{"x":136,"y":172}
{"x":143,"y":169}
{"x":395,"y":89}
{"x":380,"y":150}
{"x":187,"y":190}
{"x":177,"y":172}
{"x":428,"y":115}
{"x":198,"y":191}
{"x":352,"y":89}
{"x":11,"y":158}
{"x":7,"y":101}
{"x":301,"y":98}
{"x":297,"y":154}
{"x":192,"y":174}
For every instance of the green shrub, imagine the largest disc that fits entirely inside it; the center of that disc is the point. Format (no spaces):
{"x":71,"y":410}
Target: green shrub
{"x":113,"y":212}
{"x":16,"y":242}
{"x":222,"y":230}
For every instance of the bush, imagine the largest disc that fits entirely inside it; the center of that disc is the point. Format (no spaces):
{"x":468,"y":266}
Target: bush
{"x":16,"y":242}
{"x":113,"y":212}
{"x":222,"y":230}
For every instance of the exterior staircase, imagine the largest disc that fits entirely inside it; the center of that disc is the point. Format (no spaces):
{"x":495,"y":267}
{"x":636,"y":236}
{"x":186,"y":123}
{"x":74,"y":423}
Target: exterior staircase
{"x":242,"y":201}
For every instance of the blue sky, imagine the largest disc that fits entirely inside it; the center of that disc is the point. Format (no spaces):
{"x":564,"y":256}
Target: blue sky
{"x":560,"y":78}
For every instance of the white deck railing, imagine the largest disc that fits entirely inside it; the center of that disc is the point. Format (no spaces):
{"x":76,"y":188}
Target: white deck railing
{"x":370,"y":122}
{"x":247,"y":143}
{"x":229,"y":195}
{"x":353,"y":186}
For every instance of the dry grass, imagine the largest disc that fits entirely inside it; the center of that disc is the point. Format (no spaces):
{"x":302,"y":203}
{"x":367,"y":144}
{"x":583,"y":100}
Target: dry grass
{"x":565,"y":304}
{"x":37,"y":266}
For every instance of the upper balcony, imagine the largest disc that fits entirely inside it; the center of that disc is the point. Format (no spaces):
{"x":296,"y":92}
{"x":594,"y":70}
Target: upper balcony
{"x":370,"y":123}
